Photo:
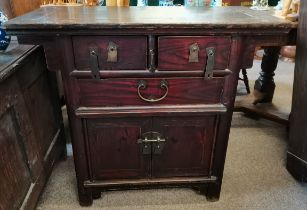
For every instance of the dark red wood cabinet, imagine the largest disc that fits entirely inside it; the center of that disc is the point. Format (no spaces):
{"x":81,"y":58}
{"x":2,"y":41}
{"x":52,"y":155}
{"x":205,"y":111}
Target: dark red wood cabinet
{"x":150,"y":91}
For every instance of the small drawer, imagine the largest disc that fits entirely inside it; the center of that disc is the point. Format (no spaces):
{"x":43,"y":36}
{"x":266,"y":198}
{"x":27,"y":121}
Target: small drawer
{"x":113,"y":52}
{"x":190,"y":53}
{"x":148,"y":92}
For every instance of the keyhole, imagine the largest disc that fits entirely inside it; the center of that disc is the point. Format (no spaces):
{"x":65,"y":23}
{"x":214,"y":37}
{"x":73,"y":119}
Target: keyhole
{"x":210,"y":53}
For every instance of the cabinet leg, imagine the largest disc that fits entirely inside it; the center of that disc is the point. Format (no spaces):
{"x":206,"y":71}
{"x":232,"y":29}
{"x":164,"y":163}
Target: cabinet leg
{"x":211,"y":191}
{"x":96,"y":194}
{"x":85,"y":199}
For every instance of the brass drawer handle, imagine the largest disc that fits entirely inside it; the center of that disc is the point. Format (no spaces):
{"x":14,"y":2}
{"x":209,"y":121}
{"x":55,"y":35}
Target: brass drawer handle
{"x":143,"y":85}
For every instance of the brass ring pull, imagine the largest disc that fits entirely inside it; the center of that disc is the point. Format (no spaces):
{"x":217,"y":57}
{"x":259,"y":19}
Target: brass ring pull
{"x":143,"y":85}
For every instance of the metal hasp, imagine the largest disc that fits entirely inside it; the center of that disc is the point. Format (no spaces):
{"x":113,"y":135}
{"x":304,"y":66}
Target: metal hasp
{"x":112,"y":52}
{"x":151,"y":143}
{"x":194,"y":50}
{"x":152,"y":60}
{"x":94,"y":65}
{"x":210,"y":62}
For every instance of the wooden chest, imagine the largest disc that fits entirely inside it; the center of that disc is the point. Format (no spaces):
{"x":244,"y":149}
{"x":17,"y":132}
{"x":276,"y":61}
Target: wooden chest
{"x":31,"y":126}
{"x":150,"y":91}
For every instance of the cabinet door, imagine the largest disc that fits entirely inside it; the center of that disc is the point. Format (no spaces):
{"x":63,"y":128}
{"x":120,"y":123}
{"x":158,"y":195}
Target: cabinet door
{"x":188,"y":146}
{"x":114,"y":149}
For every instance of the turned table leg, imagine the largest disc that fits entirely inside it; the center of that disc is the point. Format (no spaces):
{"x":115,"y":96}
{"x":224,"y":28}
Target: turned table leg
{"x":265,"y":86}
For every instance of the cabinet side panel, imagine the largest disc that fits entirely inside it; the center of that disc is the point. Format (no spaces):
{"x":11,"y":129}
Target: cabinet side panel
{"x":15,"y":176}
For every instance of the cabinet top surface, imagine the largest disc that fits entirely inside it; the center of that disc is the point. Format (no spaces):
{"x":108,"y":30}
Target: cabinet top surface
{"x":147,"y":17}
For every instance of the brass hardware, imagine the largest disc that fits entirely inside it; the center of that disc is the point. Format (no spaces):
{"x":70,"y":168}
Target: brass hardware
{"x":143,"y":85}
{"x":194,"y":50}
{"x":94,"y":65}
{"x":151,"y":142}
{"x":112,"y":52}
{"x":152,"y":60}
{"x":152,"y":43}
{"x":210,"y":62}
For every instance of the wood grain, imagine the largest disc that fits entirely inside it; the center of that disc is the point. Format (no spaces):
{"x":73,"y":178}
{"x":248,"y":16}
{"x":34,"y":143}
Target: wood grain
{"x":132,"y":52}
{"x":30,"y":142}
{"x":114,"y":150}
{"x":123,"y":92}
{"x":174,"y":52}
{"x":193,"y":137}
{"x":15,"y":173}
{"x":77,"y":18}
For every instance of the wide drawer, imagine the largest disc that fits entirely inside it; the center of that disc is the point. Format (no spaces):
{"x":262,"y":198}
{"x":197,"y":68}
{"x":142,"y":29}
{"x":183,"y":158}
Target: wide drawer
{"x":190,"y":52}
{"x":113,"y":52}
{"x":152,"y":91}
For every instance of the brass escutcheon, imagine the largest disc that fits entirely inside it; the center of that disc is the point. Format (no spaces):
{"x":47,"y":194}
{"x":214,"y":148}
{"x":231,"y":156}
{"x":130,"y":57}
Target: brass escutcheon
{"x":112,"y":52}
{"x":194,"y":50}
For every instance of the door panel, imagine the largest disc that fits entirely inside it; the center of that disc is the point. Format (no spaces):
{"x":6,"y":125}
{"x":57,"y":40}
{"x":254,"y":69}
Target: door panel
{"x":114,"y":151}
{"x":15,"y":177}
{"x":188,"y":147}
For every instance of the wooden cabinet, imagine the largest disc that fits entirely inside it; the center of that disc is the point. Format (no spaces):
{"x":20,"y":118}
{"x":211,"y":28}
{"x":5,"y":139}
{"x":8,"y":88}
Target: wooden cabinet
{"x":31,"y":126}
{"x":150,"y":91}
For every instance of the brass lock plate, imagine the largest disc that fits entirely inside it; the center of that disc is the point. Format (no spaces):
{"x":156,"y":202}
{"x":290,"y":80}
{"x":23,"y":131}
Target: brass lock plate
{"x":151,"y":143}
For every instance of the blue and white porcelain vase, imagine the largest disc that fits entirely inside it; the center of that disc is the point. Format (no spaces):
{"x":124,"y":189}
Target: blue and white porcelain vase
{"x":4,"y":39}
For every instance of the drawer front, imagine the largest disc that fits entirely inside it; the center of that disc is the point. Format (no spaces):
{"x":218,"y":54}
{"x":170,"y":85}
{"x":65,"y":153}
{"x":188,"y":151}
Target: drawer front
{"x":189,"y":53}
{"x":153,"y":91}
{"x":113,"y":52}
